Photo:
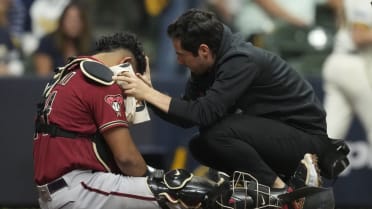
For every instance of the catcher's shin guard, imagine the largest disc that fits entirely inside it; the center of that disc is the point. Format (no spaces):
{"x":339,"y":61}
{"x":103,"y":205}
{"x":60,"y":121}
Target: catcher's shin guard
{"x":247,"y":193}
{"x":181,"y":188}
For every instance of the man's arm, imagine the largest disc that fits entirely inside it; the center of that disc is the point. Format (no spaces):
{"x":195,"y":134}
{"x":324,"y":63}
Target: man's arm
{"x":205,"y":110}
{"x":162,"y":110}
{"x":358,"y":17}
{"x":158,"y":99}
{"x":126,"y":154}
{"x":361,"y":34}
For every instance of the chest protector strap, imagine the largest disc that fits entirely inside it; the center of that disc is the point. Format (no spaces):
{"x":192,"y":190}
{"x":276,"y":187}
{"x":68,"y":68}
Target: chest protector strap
{"x":97,"y":72}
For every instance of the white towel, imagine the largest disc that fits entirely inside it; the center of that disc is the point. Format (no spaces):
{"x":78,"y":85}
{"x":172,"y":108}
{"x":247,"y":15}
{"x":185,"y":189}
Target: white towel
{"x":135,"y":111}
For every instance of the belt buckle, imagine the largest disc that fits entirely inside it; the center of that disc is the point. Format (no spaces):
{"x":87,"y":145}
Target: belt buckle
{"x":44,"y":193}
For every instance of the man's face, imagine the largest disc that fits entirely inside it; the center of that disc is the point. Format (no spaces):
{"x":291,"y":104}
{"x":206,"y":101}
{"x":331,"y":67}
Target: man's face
{"x":197,"y":64}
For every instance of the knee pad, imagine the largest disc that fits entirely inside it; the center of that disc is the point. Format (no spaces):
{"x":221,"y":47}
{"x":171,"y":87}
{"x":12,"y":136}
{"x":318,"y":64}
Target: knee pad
{"x":181,"y":188}
{"x":246,"y":192}
{"x":249,"y":194}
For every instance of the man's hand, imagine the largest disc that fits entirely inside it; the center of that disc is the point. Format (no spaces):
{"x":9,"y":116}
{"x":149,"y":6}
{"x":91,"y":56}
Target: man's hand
{"x":137,"y":86}
{"x":129,"y":87}
{"x":134,"y":85}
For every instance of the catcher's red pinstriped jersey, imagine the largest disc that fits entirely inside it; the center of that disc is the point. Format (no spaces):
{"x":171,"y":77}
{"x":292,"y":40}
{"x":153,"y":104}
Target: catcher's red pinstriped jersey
{"x":79,"y":105}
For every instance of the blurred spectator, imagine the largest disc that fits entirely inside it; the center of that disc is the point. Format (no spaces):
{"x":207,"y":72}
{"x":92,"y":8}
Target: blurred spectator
{"x":258,"y":17}
{"x":45,"y":15}
{"x":10,"y":63}
{"x":73,"y":36}
{"x":27,"y":20}
{"x":301,"y":32}
{"x":17,"y":17}
{"x":225,"y":10}
{"x":43,"y":19}
{"x":166,"y":65}
{"x":347,"y":72}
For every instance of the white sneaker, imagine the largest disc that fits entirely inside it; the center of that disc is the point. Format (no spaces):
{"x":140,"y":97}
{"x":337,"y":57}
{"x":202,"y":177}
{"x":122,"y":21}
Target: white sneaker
{"x":307,"y":173}
{"x":311,"y":163}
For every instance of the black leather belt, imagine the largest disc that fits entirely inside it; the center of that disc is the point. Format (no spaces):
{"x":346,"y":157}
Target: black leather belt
{"x":46,"y":190}
{"x":52,"y":187}
{"x":56,"y":185}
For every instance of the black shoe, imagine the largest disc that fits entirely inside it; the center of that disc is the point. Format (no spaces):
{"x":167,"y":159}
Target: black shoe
{"x":335,"y":159}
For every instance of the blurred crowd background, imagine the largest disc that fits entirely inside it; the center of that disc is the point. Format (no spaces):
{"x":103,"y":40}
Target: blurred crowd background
{"x":38,"y":35}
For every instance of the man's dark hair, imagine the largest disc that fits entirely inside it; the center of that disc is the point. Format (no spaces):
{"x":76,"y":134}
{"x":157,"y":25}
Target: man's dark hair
{"x":196,"y":27}
{"x":124,"y":40}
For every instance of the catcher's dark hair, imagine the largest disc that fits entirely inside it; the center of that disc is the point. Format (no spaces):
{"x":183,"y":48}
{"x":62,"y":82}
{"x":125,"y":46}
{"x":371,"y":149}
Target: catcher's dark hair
{"x":124,"y":40}
{"x":195,"y":27}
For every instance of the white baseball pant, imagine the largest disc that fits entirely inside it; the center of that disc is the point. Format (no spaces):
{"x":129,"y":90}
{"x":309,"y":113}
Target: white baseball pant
{"x":96,"y":190}
{"x":347,"y":93}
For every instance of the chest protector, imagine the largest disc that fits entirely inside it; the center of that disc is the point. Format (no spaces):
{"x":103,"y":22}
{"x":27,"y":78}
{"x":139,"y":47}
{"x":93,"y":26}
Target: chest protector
{"x":100,"y":74}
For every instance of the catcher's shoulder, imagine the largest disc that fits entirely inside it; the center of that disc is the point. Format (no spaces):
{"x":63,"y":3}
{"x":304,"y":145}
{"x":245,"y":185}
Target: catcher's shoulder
{"x":97,"y":72}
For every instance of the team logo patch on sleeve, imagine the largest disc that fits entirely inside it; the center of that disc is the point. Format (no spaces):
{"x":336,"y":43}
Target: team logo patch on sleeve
{"x":115,"y":101}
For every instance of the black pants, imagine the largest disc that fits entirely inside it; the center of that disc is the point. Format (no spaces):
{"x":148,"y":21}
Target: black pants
{"x":262,"y":147}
